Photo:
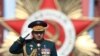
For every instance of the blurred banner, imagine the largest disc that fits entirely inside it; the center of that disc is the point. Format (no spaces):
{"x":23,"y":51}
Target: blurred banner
{"x":97,"y":27}
{"x":1,"y":28}
{"x":1,"y":15}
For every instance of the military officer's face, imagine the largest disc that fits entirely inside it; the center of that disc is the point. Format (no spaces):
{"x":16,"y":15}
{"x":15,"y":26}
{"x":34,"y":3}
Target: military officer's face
{"x":38,"y":34}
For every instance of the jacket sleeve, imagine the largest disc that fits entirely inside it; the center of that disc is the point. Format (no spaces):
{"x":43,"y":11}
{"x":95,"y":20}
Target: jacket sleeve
{"x":17,"y":46}
{"x":53,"y":51}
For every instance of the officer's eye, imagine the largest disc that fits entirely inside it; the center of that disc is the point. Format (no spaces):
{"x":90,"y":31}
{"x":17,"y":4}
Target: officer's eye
{"x":38,"y":32}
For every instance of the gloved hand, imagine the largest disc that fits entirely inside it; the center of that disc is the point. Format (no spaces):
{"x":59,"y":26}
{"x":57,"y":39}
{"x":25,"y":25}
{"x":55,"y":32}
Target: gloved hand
{"x":26,"y":33}
{"x":85,"y":45}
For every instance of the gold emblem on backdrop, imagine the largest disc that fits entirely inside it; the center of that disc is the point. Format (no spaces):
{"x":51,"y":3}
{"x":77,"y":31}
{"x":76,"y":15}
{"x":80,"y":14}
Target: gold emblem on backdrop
{"x":71,"y":8}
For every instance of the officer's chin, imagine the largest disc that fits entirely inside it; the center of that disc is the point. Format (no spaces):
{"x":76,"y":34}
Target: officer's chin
{"x":38,"y":38}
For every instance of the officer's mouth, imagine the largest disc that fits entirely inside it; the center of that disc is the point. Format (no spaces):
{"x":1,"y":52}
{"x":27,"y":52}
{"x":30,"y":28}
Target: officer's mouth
{"x":39,"y":38}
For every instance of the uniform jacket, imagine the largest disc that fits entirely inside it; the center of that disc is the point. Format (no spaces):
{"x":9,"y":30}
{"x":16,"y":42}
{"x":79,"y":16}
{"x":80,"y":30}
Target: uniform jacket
{"x":33,"y":48}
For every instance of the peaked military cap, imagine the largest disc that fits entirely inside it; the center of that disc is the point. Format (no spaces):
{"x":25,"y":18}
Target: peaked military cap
{"x":38,"y":25}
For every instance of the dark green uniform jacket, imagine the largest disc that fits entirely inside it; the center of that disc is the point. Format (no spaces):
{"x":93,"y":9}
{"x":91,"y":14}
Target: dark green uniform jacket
{"x":33,"y":47}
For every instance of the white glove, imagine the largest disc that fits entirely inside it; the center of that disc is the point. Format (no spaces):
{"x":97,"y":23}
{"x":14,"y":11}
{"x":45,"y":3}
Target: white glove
{"x":86,"y":45}
{"x":26,"y":33}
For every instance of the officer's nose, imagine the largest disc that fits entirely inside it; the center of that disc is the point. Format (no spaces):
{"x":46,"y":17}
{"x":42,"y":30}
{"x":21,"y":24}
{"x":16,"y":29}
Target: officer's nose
{"x":38,"y":34}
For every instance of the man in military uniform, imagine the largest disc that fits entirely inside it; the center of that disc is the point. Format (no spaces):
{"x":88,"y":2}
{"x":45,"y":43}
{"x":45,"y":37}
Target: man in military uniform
{"x":37,"y":46}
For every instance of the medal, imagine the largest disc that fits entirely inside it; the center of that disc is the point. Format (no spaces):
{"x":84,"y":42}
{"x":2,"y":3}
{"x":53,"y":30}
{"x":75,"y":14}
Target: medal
{"x":31,"y":47}
{"x":38,"y":44}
